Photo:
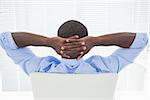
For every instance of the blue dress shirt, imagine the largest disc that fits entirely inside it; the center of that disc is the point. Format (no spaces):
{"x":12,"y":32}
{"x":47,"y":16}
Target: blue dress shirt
{"x":114,"y":63}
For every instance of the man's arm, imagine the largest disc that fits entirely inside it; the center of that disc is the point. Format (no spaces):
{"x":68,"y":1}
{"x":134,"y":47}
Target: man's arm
{"x":24,"y":57}
{"x":123,"y":39}
{"x":131,"y":45}
{"x":15,"y":44}
{"x":122,"y":57}
{"x":23,"y":39}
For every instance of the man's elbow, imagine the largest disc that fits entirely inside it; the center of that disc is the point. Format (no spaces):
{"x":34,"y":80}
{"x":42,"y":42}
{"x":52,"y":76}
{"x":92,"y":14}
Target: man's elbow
{"x":144,"y":40}
{"x":140,"y":41}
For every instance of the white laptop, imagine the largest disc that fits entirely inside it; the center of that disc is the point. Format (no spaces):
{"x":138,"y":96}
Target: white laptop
{"x":52,"y":86}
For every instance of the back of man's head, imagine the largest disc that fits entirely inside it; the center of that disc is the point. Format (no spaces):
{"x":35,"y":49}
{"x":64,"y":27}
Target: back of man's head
{"x":71,"y":28}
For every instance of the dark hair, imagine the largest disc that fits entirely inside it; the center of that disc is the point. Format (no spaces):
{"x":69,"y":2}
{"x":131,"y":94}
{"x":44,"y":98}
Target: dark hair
{"x":71,"y":28}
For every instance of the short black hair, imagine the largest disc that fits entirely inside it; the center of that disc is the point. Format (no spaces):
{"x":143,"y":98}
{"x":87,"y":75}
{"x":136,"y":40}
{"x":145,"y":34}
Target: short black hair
{"x":71,"y":28}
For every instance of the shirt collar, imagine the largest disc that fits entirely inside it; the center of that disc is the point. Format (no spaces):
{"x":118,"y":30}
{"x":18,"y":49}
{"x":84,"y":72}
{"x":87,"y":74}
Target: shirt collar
{"x":71,"y":62}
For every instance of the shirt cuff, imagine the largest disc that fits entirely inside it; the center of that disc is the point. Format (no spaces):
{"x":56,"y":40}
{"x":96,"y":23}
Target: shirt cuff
{"x":8,"y":40}
{"x":140,"y":41}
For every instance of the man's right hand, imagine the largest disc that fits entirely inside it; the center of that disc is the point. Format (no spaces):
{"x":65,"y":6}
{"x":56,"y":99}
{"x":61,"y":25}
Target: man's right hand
{"x":87,"y":44}
{"x":59,"y":44}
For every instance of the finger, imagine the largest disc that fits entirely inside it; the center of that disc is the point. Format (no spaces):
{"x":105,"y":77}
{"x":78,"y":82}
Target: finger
{"x":74,"y":37}
{"x":74,"y":43}
{"x":64,"y":54}
{"x":72,"y":40}
{"x":80,"y":56}
{"x":71,"y":53}
{"x":72,"y":47}
{"x":79,"y":49}
{"x":61,"y":52}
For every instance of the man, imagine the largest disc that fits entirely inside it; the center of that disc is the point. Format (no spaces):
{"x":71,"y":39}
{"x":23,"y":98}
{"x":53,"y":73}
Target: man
{"x":72,"y":44}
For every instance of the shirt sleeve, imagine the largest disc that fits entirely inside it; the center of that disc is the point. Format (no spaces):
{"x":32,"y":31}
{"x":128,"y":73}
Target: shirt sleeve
{"x":24,"y":57}
{"x":122,"y":56}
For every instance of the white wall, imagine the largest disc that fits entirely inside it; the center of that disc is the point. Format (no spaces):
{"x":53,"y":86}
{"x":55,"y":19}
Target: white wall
{"x":44,"y":17}
{"x":7,"y":68}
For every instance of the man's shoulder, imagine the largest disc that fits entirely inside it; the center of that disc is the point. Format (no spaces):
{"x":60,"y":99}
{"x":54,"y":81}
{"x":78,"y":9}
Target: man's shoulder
{"x":92,"y":58}
{"x":52,"y":58}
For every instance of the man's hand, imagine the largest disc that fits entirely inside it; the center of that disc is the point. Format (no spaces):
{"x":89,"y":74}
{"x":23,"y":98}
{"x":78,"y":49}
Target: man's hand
{"x":75,"y":47}
{"x":89,"y":44}
{"x":57,"y":42}
{"x":80,"y":46}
